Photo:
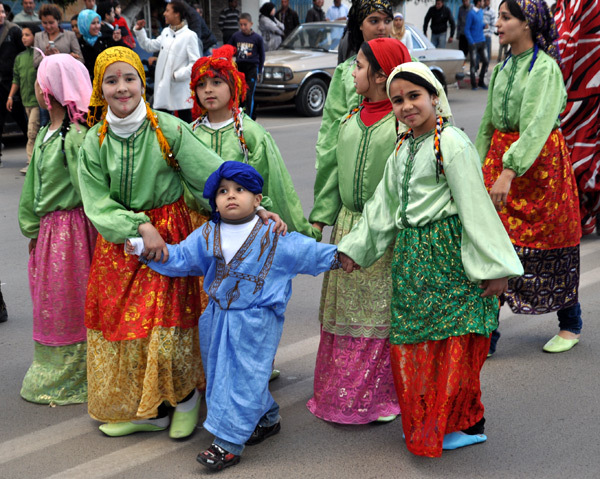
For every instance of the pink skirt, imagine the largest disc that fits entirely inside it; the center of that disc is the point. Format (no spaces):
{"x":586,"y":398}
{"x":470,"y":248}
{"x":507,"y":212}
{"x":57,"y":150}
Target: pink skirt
{"x":353,"y":380}
{"x":59,"y":267}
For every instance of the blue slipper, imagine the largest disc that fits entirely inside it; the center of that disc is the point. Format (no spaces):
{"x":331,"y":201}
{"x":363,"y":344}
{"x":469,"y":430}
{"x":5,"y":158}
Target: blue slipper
{"x":458,"y":439}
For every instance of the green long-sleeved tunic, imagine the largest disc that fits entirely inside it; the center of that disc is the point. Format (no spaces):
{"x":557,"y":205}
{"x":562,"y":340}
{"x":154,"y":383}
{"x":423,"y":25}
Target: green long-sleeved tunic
{"x":263,"y":155}
{"x":349,"y":173}
{"x":341,"y":99}
{"x":125,"y":176}
{"x":523,"y":101}
{"x":51,"y":183}
{"x":409,"y":196}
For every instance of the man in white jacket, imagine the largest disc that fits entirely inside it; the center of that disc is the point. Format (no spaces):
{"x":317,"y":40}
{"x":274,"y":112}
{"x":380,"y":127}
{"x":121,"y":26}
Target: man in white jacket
{"x":178,"y":50}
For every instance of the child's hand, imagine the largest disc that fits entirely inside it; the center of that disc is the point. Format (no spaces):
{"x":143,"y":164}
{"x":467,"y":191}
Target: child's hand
{"x":129,"y":249}
{"x":318,"y":225}
{"x":494,"y":287}
{"x":280,"y":226}
{"x":501,"y":187}
{"x":155,"y":248}
{"x":348,"y":264}
{"x":32,"y":244}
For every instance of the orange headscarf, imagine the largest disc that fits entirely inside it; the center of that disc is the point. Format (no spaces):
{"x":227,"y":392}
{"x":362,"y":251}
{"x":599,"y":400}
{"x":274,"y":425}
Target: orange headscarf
{"x":222,"y":65}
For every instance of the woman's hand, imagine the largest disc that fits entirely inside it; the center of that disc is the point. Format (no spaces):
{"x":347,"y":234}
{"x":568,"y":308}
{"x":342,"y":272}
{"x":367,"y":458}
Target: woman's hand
{"x":9,"y":104}
{"x":155,"y":248}
{"x":140,"y":24}
{"x":318,"y":225}
{"x":494,"y":287}
{"x":32,"y":244}
{"x":265,"y":216}
{"x":348,"y":264}
{"x":501,"y":187}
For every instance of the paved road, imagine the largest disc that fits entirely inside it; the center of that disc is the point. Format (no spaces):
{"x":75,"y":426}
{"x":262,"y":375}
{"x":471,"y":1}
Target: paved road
{"x":542,"y":410}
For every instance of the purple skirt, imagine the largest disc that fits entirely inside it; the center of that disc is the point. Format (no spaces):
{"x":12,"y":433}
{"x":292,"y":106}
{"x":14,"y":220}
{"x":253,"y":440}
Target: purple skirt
{"x":353,"y":380}
{"x":59,"y":267}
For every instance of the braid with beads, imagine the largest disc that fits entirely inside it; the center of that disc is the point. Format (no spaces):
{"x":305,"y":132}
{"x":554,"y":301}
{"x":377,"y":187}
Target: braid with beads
{"x":439,"y":125}
{"x":239,"y":131}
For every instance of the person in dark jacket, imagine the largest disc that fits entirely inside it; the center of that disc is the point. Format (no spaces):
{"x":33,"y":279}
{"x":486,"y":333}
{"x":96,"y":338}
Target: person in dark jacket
{"x":316,"y":13}
{"x":10,"y":45}
{"x":288,"y":17}
{"x":439,"y":15}
{"x":197,"y":24}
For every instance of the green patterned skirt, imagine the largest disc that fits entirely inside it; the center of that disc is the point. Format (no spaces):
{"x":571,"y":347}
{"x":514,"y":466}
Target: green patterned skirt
{"x":356,"y":304}
{"x":432,"y":297}
{"x":58,"y":375}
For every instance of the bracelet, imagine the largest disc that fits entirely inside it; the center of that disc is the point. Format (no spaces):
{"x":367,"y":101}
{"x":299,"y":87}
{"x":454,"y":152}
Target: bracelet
{"x":10,"y":98}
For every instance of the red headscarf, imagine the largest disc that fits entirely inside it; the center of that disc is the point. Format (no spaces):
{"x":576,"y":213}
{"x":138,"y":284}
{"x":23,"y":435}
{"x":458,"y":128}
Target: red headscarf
{"x":222,"y":65}
{"x":389,"y":53}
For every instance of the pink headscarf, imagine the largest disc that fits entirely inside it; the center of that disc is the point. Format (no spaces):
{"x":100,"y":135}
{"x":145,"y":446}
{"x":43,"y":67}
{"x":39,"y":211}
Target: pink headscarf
{"x":67,"y":80}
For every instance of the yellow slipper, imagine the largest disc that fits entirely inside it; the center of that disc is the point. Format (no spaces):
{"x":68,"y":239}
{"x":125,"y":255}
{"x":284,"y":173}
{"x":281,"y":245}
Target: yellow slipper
{"x":559,"y":344}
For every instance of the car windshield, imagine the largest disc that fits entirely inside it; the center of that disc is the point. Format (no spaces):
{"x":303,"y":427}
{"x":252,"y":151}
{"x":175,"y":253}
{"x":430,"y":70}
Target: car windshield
{"x":319,"y":37}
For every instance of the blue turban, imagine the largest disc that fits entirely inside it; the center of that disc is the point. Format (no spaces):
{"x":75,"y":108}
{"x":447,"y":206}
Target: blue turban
{"x":242,"y":173}
{"x":84,"y":20}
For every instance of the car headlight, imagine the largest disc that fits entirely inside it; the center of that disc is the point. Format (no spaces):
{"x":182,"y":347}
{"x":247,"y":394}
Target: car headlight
{"x":278,"y":73}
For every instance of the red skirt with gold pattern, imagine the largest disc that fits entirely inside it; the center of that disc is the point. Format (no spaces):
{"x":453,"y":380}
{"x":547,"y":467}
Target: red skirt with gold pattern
{"x":542,"y":208}
{"x":126,"y":299}
{"x":438,"y":388}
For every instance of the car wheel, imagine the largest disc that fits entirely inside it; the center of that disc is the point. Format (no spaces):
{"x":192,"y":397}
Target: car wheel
{"x":440,"y":77}
{"x":311,"y":97}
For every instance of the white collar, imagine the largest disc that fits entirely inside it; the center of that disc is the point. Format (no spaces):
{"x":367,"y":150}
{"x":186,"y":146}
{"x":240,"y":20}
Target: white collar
{"x":216,"y":126}
{"x":125,"y":127}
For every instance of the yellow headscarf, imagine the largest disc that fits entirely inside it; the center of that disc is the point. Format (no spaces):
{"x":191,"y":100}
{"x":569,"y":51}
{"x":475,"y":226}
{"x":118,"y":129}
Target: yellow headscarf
{"x":97,"y":101}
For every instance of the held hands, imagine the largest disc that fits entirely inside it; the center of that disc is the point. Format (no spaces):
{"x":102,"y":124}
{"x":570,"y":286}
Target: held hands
{"x":494,"y":287}
{"x":155,"y":248}
{"x":318,"y":225}
{"x":348,"y":264}
{"x":265,"y":216}
{"x":499,"y":191}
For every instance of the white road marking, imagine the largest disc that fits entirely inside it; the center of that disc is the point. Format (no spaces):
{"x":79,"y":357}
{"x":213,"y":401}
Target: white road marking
{"x":49,"y":436}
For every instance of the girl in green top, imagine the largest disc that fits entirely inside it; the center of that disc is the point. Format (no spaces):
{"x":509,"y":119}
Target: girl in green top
{"x":353,"y":380}
{"x":528,"y":171}
{"x":451,"y":258}
{"x":61,"y":237}
{"x":218,"y":88}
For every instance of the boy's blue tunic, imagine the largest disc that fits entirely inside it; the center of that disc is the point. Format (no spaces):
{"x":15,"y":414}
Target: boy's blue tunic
{"x":242,"y":324}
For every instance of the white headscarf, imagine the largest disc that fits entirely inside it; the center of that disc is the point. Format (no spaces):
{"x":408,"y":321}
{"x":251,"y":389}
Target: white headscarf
{"x":443,"y":107}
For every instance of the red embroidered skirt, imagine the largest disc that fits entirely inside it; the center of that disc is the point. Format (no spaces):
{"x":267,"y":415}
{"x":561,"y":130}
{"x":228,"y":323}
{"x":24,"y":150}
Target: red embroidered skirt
{"x":438,"y":388}
{"x":126,"y":299}
{"x":542,"y":209}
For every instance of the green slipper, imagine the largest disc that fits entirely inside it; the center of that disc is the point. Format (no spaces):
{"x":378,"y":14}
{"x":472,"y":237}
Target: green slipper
{"x":559,"y":345}
{"x":274,"y":374}
{"x":389,"y":418}
{"x":118,"y":429}
{"x":184,"y":423}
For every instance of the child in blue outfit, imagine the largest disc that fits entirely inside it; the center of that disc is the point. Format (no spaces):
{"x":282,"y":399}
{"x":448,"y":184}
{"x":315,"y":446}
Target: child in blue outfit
{"x":247,"y":271}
